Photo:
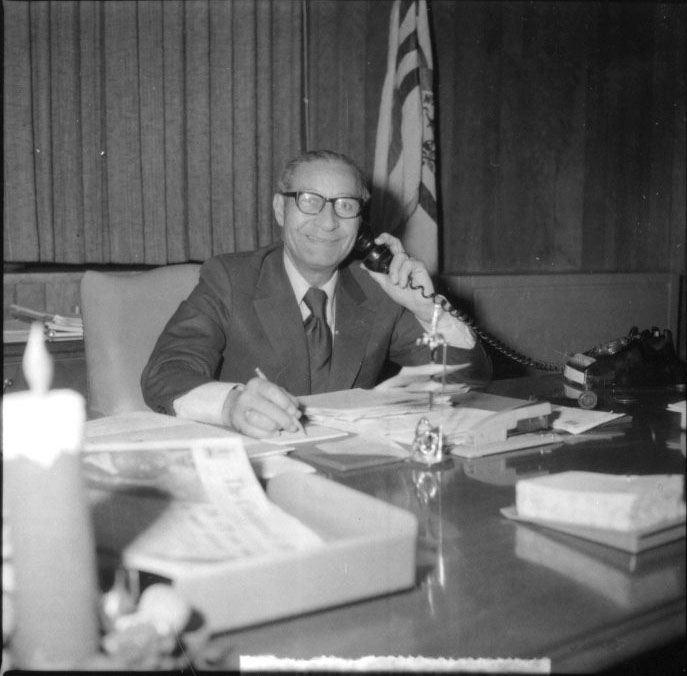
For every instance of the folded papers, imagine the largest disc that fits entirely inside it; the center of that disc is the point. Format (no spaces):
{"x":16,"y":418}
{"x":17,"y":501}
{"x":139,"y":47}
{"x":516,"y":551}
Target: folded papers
{"x":360,"y":404}
{"x":426,"y":378}
{"x":57,"y":327}
{"x":575,"y":420}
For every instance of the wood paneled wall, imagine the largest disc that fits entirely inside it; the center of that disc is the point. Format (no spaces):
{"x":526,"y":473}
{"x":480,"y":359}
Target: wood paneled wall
{"x":561,"y":126}
{"x":57,"y":293}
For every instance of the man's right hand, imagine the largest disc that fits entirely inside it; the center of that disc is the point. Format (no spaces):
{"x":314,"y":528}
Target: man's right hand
{"x":260,"y":409}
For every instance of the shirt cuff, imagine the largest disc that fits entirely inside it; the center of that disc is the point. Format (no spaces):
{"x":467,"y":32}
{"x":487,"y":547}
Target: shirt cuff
{"x":204,"y":403}
{"x":455,"y":332}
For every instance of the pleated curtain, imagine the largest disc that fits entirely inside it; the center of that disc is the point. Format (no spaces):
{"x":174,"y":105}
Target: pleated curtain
{"x":146,"y":132}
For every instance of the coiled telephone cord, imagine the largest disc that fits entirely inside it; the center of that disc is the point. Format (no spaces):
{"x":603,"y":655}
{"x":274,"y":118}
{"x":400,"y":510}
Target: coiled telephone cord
{"x":483,"y":335}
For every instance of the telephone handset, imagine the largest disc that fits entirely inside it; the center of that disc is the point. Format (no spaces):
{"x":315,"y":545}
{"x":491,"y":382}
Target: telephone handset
{"x":377,"y":257}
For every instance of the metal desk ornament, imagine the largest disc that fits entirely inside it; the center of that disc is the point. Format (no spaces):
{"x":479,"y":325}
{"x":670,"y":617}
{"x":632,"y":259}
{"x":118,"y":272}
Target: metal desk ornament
{"x":428,"y":443}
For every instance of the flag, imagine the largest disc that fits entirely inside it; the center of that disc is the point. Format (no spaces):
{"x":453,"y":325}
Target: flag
{"x":404,"y":180}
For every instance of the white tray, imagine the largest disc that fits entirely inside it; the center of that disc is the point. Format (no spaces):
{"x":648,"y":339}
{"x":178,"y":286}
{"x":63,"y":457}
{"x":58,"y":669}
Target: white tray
{"x":369,"y":550}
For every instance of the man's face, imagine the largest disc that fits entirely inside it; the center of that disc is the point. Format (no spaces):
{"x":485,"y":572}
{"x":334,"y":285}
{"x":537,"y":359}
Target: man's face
{"x":317,"y":244}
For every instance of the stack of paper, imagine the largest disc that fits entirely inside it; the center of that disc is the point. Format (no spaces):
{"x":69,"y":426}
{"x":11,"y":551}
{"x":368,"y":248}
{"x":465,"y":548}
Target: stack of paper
{"x":600,"y":500}
{"x":394,"y":414}
{"x":576,"y":420}
{"x":374,"y":414}
{"x":426,"y":378}
{"x":57,"y":327}
{"x":146,"y":430}
{"x":358,"y":404}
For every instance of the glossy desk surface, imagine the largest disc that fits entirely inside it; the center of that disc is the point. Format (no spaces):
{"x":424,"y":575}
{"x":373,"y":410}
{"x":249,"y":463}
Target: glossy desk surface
{"x":489,"y":587}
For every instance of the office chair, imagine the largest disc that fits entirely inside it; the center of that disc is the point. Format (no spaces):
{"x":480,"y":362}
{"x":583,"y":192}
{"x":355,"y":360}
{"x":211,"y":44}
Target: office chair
{"x":123,"y":315}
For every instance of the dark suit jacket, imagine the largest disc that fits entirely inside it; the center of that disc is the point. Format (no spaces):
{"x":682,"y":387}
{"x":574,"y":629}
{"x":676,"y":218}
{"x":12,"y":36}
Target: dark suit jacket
{"x":244,"y":314}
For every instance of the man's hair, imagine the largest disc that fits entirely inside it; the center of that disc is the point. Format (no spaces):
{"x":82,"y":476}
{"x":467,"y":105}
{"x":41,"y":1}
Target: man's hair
{"x":290,"y":168}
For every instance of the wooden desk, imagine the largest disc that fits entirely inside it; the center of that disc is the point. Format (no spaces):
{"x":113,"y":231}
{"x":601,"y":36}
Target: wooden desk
{"x":69,"y":366}
{"x":488,"y":587}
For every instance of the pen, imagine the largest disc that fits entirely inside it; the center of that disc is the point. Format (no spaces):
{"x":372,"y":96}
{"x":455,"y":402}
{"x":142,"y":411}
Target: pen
{"x":262,"y":376}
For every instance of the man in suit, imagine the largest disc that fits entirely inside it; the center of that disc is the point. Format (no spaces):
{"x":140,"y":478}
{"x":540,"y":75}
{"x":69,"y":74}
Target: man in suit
{"x":265,"y":312}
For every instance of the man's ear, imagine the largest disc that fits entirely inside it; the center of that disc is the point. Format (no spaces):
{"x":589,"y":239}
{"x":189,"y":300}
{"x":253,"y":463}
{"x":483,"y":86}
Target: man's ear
{"x":278,"y":208}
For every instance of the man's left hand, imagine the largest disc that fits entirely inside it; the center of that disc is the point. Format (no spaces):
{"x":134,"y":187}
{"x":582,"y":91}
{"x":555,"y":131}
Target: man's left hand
{"x":402,"y":269}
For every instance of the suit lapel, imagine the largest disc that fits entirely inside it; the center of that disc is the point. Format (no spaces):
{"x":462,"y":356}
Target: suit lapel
{"x":276,"y":308}
{"x":354,"y":320}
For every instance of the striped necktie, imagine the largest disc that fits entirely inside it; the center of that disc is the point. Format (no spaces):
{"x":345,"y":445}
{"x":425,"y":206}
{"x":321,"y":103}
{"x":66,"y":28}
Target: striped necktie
{"x":319,"y":338}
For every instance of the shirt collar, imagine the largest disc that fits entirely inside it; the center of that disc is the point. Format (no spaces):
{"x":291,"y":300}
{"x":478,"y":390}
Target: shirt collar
{"x":300,"y":285}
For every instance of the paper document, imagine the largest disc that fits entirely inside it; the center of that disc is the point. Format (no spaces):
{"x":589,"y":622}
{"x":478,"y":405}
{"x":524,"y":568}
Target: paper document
{"x":28,"y":314}
{"x":425,"y":378}
{"x":354,"y":446}
{"x":132,"y":422}
{"x":140,"y":430}
{"x":399,"y":428}
{"x":577,"y":420}
{"x":313,"y":432}
{"x":57,"y":327}
{"x":394,"y":415}
{"x":356,"y":404}
{"x":354,"y":453}
{"x":236,"y":520}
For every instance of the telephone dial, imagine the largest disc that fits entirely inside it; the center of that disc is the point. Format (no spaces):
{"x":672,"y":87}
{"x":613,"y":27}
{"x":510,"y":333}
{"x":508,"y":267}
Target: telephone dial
{"x":640,"y":359}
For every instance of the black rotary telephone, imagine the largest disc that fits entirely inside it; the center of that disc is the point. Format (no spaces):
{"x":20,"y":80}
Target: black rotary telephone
{"x":639,"y":360}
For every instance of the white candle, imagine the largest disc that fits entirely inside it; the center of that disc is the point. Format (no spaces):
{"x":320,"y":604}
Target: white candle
{"x":56,"y":590}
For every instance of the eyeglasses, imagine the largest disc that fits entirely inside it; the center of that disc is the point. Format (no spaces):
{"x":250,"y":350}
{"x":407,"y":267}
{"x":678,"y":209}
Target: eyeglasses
{"x":311,"y":203}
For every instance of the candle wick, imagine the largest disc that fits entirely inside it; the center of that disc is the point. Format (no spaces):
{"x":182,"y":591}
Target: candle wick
{"x":37,"y":362}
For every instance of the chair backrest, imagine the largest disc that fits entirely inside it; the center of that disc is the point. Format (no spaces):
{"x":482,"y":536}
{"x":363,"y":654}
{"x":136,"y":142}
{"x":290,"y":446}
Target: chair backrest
{"x":123,"y":316}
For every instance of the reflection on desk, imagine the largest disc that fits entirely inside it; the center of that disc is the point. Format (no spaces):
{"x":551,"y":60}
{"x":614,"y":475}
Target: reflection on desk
{"x":627,"y":581}
{"x":489,"y":587}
